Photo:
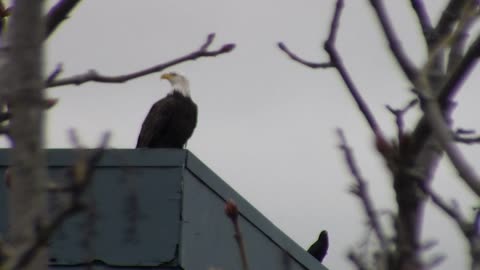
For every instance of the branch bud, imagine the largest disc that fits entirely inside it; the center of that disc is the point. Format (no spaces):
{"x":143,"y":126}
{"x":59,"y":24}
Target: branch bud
{"x":231,"y":210}
{"x":228,"y":47}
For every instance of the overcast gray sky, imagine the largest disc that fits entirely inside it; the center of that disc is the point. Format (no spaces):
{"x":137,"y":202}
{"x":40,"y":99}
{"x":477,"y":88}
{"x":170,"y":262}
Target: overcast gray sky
{"x":266,"y":124}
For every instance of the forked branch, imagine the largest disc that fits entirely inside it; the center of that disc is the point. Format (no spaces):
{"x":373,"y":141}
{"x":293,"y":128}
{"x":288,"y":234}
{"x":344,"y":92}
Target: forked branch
{"x":360,"y":190}
{"x":94,"y":76}
{"x":336,"y":62}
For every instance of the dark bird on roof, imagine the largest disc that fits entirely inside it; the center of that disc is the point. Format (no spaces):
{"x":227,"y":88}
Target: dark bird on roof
{"x":320,"y":247}
{"x":171,"y":120}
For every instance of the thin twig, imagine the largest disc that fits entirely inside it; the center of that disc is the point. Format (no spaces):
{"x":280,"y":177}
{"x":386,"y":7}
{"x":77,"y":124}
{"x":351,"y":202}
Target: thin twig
{"x":58,"y":69}
{"x":393,"y":41}
{"x":74,"y":139}
{"x":231,"y":210}
{"x":465,"y":140}
{"x":336,"y":62}
{"x":296,"y":58}
{"x":464,"y":131}
{"x":94,"y":76}
{"x":460,"y":136}
{"x":435,"y":262}
{"x":334,"y":24}
{"x":361,"y":191}
{"x":399,"y":113}
{"x":423,"y":19}
{"x":469,"y":229}
{"x":82,"y":174}
{"x":451,"y":211}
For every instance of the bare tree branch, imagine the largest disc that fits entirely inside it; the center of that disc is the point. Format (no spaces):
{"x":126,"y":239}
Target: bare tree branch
{"x":423,"y":19}
{"x":448,"y":90}
{"x":58,"y":14}
{"x":58,"y":69}
{"x":409,"y":201}
{"x":434,"y":111}
{"x":74,"y":139}
{"x":435,"y":261}
{"x":460,"y":35}
{"x":443,"y":134}
{"x":82,"y":174}
{"x":460,"y":73}
{"x":469,"y":229}
{"x":464,"y":131}
{"x":399,"y":113}
{"x":443,"y":85}
{"x":466,"y":140}
{"x":466,"y":136}
{"x":435,"y":117}
{"x":94,"y":76}
{"x":451,"y":211}
{"x":447,"y":21}
{"x":361,"y":191}
{"x":22,"y":76}
{"x":296,"y":58}
{"x":231,"y":210}
{"x":418,"y":163}
{"x":336,"y":62}
{"x":393,"y":41}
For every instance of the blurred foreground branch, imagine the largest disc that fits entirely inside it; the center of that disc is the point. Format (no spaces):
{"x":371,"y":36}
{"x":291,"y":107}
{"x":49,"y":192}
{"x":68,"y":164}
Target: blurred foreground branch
{"x":81,"y":175}
{"x":413,"y":157}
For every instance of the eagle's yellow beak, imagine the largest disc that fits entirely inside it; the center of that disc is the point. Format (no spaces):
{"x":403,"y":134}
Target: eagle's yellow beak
{"x":167,"y":76}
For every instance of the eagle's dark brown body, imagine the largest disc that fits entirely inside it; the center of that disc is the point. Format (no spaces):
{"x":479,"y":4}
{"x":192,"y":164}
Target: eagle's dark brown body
{"x":169,"y":123}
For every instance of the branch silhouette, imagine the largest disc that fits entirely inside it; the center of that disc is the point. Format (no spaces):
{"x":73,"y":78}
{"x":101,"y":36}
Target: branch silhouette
{"x":336,"y":62}
{"x":95,"y":76}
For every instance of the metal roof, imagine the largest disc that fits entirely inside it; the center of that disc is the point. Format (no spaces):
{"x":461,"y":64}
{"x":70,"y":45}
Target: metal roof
{"x":161,"y":209}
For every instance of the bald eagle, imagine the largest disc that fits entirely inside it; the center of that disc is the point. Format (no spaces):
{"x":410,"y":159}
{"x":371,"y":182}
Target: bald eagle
{"x":171,"y":120}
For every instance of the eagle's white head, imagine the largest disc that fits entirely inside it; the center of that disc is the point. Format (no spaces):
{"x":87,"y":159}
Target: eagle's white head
{"x":179,"y":83}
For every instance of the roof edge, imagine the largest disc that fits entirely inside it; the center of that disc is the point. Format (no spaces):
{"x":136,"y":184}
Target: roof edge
{"x":249,"y":212}
{"x":166,"y":157}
